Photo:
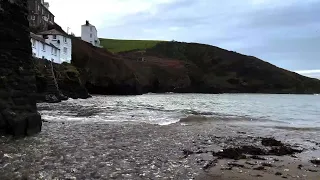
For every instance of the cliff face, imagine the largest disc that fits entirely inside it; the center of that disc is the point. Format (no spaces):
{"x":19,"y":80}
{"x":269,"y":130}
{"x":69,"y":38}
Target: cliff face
{"x":184,"y":68}
{"x":18,"y":111}
{"x":102,"y":72}
{"x":105,"y":73}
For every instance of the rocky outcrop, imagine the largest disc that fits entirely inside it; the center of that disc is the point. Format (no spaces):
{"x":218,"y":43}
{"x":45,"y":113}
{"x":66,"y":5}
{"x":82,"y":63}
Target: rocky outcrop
{"x":18,"y":111}
{"x":103,"y":72}
{"x":58,"y":83}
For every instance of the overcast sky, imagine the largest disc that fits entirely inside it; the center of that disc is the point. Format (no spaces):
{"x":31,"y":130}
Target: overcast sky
{"x":283,"y":32}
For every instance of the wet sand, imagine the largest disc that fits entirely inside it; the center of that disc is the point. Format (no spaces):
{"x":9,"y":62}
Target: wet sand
{"x":74,"y":150}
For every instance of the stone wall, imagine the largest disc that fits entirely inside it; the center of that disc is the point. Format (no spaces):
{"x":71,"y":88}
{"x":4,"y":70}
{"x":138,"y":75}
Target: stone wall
{"x":18,"y":111}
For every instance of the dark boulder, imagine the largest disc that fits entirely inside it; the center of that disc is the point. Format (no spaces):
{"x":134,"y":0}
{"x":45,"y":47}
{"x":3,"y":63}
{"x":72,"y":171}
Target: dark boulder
{"x":271,"y":142}
{"x":315,"y":161}
{"x":239,"y":152}
{"x":283,"y":150}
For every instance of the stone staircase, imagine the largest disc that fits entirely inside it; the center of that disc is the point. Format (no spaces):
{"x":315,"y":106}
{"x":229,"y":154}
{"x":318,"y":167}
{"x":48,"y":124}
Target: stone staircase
{"x":52,"y":85}
{"x":53,"y":94}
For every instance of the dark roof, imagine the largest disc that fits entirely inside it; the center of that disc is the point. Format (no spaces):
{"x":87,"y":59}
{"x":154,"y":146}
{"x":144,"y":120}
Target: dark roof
{"x":52,"y":32}
{"x":38,"y":38}
{"x":89,"y":25}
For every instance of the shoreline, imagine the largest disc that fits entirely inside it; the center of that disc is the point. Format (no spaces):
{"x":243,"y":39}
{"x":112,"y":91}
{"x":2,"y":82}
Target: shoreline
{"x":78,"y":150}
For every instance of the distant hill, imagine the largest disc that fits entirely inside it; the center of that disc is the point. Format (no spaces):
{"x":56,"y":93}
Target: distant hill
{"x":117,"y":45}
{"x":191,"y":67}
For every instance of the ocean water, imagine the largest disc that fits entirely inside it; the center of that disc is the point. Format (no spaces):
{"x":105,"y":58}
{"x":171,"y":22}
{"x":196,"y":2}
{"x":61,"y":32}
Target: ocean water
{"x":163,"y":109}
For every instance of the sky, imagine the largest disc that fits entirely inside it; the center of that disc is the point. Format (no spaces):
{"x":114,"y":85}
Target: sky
{"x":285,"y":33}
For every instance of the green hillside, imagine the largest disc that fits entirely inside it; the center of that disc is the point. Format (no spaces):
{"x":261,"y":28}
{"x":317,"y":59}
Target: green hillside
{"x":117,"y":45}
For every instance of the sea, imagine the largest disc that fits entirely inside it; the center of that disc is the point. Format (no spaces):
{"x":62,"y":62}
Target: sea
{"x":279,"y":110}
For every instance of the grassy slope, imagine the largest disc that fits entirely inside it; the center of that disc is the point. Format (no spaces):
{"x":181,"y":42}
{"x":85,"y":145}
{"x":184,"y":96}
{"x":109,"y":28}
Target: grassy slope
{"x":116,"y":45}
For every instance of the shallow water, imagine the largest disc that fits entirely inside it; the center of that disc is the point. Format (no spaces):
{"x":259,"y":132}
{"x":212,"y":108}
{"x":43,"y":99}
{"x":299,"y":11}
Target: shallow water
{"x":282,"y":111}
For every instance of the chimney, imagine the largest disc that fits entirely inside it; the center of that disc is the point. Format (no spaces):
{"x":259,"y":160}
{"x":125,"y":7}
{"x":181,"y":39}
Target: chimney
{"x":46,"y":4}
{"x":87,"y":23}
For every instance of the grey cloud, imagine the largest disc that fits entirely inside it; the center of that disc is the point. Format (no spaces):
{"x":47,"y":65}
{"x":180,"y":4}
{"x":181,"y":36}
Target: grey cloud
{"x":287,"y":35}
{"x":296,"y":14}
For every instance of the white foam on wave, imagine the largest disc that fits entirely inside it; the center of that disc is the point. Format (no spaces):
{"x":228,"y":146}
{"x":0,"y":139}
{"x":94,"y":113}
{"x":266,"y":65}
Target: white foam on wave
{"x":51,"y":118}
{"x":194,"y":118}
{"x":166,"y":123}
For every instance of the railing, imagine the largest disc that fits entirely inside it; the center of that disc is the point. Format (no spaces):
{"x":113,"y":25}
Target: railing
{"x":54,"y":77}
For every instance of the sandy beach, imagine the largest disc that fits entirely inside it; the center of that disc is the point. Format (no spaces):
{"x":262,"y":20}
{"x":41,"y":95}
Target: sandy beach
{"x":74,"y":150}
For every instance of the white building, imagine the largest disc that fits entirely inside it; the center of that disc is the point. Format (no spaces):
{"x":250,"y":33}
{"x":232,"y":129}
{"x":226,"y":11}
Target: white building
{"x":61,"y":41}
{"x":43,"y":50}
{"x":89,"y":34}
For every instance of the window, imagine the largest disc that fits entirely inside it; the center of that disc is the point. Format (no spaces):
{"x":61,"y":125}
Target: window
{"x":55,"y":51}
{"x":91,"y":29}
{"x":91,"y":35}
{"x":65,"y":39}
{"x":33,"y":42}
{"x":65,"y":50}
{"x":54,"y":36}
{"x":43,"y":47}
{"x":52,"y":50}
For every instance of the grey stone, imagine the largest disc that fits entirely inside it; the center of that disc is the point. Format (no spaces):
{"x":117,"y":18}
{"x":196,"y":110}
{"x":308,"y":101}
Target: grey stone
{"x":9,"y":114}
{"x":18,"y":111}
{"x":18,"y":126}
{"x":3,"y":123}
{"x":3,"y":104}
{"x":34,"y":124}
{"x":4,"y":94}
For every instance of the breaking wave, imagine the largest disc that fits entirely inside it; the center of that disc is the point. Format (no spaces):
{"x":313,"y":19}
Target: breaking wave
{"x":195,"y":118}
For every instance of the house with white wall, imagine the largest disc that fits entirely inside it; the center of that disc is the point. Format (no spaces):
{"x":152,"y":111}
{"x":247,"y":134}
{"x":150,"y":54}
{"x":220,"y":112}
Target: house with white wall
{"x":44,"y":50}
{"x":61,"y":41}
{"x":89,"y":34}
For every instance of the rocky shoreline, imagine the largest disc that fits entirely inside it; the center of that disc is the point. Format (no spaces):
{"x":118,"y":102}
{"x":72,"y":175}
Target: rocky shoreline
{"x":75,"y":150}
